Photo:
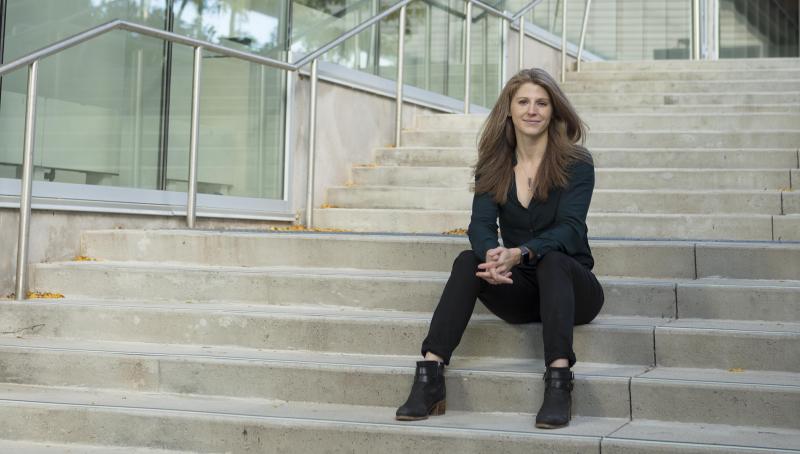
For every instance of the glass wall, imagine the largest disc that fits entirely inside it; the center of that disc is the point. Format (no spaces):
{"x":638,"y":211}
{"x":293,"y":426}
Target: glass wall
{"x":434,"y":43}
{"x":624,"y":29}
{"x":115,"y":111}
{"x":749,"y":29}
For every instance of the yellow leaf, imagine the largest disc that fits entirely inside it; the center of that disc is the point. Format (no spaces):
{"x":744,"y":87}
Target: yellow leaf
{"x":735,"y":369}
{"x":328,"y":205}
{"x":455,"y":232}
{"x":44,"y":295}
{"x":83,"y":258}
{"x":302,"y":228}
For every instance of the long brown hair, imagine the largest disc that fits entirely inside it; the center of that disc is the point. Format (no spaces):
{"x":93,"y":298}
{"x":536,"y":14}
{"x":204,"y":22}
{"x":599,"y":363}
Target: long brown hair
{"x":498,"y":143}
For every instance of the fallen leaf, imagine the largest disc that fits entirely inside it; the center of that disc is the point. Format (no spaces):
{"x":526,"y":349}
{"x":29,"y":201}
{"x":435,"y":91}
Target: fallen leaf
{"x":328,"y":205}
{"x":44,"y":295}
{"x":83,"y":258}
{"x":735,"y":369}
{"x":455,"y":232}
{"x":302,"y":228}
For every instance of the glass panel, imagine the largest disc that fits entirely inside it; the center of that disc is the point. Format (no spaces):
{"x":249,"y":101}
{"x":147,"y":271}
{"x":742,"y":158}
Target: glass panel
{"x":758,"y":29}
{"x":240,"y":148}
{"x":98,"y":103}
{"x":624,"y":29}
{"x":434,"y":42}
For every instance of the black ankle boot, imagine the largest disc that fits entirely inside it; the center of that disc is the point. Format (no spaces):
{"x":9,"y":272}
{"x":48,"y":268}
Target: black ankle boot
{"x":556,"y":408}
{"x":427,"y":393}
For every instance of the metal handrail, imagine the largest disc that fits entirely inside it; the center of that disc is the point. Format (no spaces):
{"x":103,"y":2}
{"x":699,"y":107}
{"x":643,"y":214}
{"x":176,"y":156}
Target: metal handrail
{"x":32,"y":61}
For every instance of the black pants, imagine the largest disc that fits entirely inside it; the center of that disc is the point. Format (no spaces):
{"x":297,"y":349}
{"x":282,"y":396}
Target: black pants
{"x":559,"y":292}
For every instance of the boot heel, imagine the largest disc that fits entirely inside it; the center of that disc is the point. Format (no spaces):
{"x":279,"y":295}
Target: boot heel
{"x":438,"y":408}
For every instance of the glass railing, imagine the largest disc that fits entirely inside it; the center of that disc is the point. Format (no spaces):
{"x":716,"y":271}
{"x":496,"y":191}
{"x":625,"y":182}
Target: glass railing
{"x":434,"y":43}
{"x":115,"y":111}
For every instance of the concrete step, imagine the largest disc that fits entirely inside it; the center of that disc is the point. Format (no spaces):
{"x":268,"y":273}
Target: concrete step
{"x":727,"y":344}
{"x":605,"y":178}
{"x":695,"y":74}
{"x":588,"y":109}
{"x":603,"y":200}
{"x":326,"y":287}
{"x":629,"y":139}
{"x":733,"y":64}
{"x":664,"y":393}
{"x":619,"y":157}
{"x":608,"y":339}
{"x":786,"y":227}
{"x":601,"y":225}
{"x":656,"y":259}
{"x":708,"y":298}
{"x":682,"y":86}
{"x":208,"y":424}
{"x":332,"y":330}
{"x":597,"y":121}
{"x":723,"y":100}
{"x":27,"y":447}
{"x":54,"y":414}
{"x":656,"y":437}
{"x":601,"y":389}
{"x":791,"y":200}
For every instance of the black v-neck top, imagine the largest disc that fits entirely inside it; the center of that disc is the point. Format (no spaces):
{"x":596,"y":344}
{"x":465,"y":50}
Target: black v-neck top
{"x":558,"y":224}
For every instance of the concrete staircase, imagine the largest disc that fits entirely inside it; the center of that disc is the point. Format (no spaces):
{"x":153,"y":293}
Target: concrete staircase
{"x":701,"y":151}
{"x":175,"y":341}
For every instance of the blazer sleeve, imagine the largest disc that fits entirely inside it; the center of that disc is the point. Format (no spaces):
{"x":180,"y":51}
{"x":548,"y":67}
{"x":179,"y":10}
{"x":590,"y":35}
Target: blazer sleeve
{"x":568,"y":231}
{"x":483,"y":225}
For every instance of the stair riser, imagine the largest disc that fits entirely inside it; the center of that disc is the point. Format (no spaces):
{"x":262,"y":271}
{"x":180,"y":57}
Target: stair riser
{"x":415,"y":294}
{"x":689,"y":109}
{"x":600,"y":225}
{"x":626,"y":139}
{"x":666,"y":122}
{"x":605,"y":178}
{"x":620,"y":158}
{"x":738,"y":303}
{"x":594,"y":343}
{"x":387,"y":387}
{"x":689,"y":86}
{"x":635,"y":260}
{"x":222,"y":433}
{"x":774,"y":262}
{"x":727,"y":65}
{"x":748,"y":404}
{"x":603,"y":201}
{"x":583,"y":101}
{"x":709,"y":75}
{"x":722,"y":349}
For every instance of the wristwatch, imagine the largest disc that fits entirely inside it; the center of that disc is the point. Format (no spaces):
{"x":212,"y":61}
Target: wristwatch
{"x":526,"y":255}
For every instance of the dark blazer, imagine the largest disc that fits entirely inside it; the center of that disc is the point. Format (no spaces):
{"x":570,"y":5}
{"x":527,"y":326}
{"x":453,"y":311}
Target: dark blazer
{"x":559,"y":224}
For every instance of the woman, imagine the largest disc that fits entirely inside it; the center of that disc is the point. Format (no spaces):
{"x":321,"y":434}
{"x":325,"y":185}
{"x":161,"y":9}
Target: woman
{"x":533,"y":177}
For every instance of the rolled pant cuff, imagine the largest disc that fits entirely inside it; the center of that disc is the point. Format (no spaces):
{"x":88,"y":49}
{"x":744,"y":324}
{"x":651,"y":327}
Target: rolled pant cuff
{"x":436,"y":351}
{"x":550,"y":357}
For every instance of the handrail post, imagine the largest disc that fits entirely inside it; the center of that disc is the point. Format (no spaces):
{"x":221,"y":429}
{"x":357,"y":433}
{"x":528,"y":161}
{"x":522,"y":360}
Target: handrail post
{"x":27,"y":185}
{"x":583,"y":34}
{"x":312,"y":144}
{"x":467,"y":55}
{"x":696,"y":29}
{"x":191,"y":202}
{"x":521,"y":43}
{"x":398,"y":123}
{"x":563,"y":41}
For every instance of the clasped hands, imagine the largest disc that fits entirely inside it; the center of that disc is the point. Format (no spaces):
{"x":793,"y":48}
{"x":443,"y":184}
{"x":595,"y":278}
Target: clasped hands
{"x":497,"y":267}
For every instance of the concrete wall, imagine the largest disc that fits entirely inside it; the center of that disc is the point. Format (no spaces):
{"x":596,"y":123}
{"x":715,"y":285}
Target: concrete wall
{"x":537,"y":55}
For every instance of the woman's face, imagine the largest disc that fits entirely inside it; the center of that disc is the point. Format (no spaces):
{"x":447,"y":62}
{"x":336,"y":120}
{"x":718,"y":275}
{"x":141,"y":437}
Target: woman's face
{"x":531,"y":110}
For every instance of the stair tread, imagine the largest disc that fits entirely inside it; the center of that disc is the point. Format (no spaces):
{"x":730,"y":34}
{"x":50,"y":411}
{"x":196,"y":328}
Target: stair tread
{"x":453,"y":423}
{"x":26,"y":447}
{"x":294,"y":412}
{"x":688,"y":435}
{"x":296,"y":311}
